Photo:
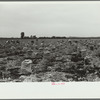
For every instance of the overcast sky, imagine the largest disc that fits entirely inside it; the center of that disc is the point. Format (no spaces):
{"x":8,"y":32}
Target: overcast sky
{"x":74,"y":18}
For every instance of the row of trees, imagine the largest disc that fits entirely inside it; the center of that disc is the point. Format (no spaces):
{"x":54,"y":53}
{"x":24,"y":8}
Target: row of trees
{"x":27,"y":37}
{"x":54,"y":37}
{"x":35,"y":37}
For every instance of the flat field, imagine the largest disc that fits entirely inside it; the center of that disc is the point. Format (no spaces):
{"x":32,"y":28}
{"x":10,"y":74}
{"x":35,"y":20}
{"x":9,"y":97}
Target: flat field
{"x":49,"y":60}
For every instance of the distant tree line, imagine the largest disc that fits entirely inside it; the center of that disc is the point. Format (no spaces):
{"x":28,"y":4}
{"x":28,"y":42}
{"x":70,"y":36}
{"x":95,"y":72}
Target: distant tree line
{"x":54,"y":37}
{"x":35,"y":37}
{"x":27,"y":37}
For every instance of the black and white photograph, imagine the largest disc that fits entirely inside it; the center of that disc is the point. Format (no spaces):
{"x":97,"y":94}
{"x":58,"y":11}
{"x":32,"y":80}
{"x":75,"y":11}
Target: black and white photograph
{"x":50,"y":41}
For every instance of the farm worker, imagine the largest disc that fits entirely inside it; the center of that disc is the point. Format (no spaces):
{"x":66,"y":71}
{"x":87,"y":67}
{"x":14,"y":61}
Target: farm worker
{"x":78,"y":49}
{"x":17,"y":41}
{"x":92,"y":47}
{"x":76,"y":41}
{"x":35,"y":47}
{"x":25,"y":49}
{"x":74,"y":46}
{"x":46,"y":54}
{"x":32,"y":42}
{"x":69,"y":41}
{"x":7,"y":42}
{"x":32,"y":45}
{"x":42,"y":44}
{"x":37,"y":41}
{"x":53,"y":48}
{"x":26,"y":66}
{"x":29,"y":53}
{"x":34,"y":54}
{"x":83,"y":52}
{"x":87,"y":60}
{"x":74,"y":57}
{"x":39,"y":52}
{"x":12,"y":41}
{"x":51,"y":44}
{"x":47,"y":48}
{"x":12,"y":48}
